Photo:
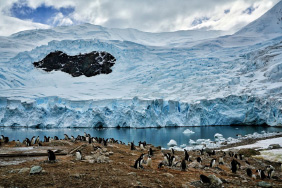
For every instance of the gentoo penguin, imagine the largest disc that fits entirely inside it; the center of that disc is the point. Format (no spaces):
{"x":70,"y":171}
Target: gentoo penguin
{"x":212,"y":163}
{"x":56,"y":138}
{"x":235,"y":165}
{"x":166,"y":158}
{"x":186,"y":155}
{"x":249,"y":172}
{"x":150,"y":152}
{"x":204,"y":179}
{"x":149,"y":161}
{"x":183,"y":165}
{"x":138,"y":162}
{"x":37,"y":140}
{"x":172,"y":151}
{"x":270,"y":173}
{"x":46,"y":139}
{"x":51,"y":155}
{"x":78,"y":155}
{"x":32,"y":141}
{"x":72,"y":138}
{"x":161,"y":164}
{"x":66,"y":137}
{"x":132,"y":146}
{"x":220,"y":161}
{"x":241,"y":156}
{"x":142,"y":146}
{"x":27,"y":142}
{"x":261,"y":174}
{"x":269,"y":167}
{"x":199,"y":159}
{"x":171,"y":161}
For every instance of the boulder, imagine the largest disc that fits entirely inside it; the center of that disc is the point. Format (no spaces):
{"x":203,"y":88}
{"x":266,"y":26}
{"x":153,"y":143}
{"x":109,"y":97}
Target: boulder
{"x":35,"y":170}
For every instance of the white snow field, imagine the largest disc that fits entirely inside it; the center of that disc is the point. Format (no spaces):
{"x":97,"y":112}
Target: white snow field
{"x":183,"y":78}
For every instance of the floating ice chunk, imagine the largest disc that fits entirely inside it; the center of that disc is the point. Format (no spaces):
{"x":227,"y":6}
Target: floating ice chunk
{"x":188,"y":131}
{"x":217,"y":135}
{"x":172,"y":143}
{"x":192,"y":142}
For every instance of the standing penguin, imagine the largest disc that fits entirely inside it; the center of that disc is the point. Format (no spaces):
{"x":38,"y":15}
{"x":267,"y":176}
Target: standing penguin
{"x":186,"y":155}
{"x":220,"y":161}
{"x":150,"y":152}
{"x":149,"y":161}
{"x":37,"y":140}
{"x":138,"y":162}
{"x":51,"y":155}
{"x":172,"y":151}
{"x":32,"y":141}
{"x":261,"y":174}
{"x":183,"y":165}
{"x":204,"y":179}
{"x":235,"y":165}
{"x":249,"y":172}
{"x":78,"y":155}
{"x":199,"y":159}
{"x":270,"y":173}
{"x":132,"y":146}
{"x":212,"y":163}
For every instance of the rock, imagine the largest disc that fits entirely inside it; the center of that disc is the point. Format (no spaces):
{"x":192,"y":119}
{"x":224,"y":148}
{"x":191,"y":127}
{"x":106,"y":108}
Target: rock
{"x":89,"y":64}
{"x":248,"y":152}
{"x":274,"y":146}
{"x":195,"y":164}
{"x":104,"y":150}
{"x":23,"y":170}
{"x":111,"y":153}
{"x":35,"y":170}
{"x":132,"y":173}
{"x":215,"y":181}
{"x":169,"y":175}
{"x":245,"y":181}
{"x":264,"y":184}
{"x":107,"y":154}
{"x":88,"y":157}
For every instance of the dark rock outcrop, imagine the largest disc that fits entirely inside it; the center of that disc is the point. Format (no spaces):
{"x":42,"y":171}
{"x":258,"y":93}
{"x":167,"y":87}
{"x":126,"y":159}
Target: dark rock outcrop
{"x":89,"y":64}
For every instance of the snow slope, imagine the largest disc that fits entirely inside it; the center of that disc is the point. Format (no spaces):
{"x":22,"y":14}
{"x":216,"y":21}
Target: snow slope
{"x":159,"y":79}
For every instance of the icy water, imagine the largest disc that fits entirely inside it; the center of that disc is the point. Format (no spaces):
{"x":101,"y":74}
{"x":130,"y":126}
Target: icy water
{"x":155,"y":136}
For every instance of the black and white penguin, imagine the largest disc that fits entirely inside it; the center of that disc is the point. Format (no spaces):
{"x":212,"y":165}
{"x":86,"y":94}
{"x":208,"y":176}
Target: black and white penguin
{"x":51,"y":155}
{"x":56,"y":138}
{"x":231,"y":154}
{"x":183,"y":165}
{"x":138,"y":162}
{"x":270,"y":173}
{"x":141,"y":146}
{"x":171,"y":161}
{"x":186,"y":155}
{"x":78,"y":155}
{"x":5,"y":139}
{"x":132,"y":146}
{"x":235,"y":165}
{"x":149,"y":161}
{"x":199,"y":159}
{"x":172,"y":151}
{"x":249,"y":172}
{"x":46,"y":139}
{"x":27,"y":142}
{"x":261,"y":174}
{"x":66,"y":137}
{"x":166,"y":158}
{"x":32,"y":141}
{"x":212,"y":163}
{"x":204,"y":179}
{"x":241,"y":156}
{"x":37,"y":140}
{"x":161,"y":164}
{"x":221,"y":161}
{"x":269,"y":167}
{"x":150,"y":152}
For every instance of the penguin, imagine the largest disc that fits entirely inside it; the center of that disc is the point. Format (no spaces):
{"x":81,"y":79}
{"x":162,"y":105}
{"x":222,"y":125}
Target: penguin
{"x":5,"y":139}
{"x":39,"y":144}
{"x":186,"y":155}
{"x":205,"y":179}
{"x":235,"y":165}
{"x":46,"y":139}
{"x":142,"y":147}
{"x":261,"y":174}
{"x":149,"y":161}
{"x":89,"y":140}
{"x":72,"y":138}
{"x":241,"y":156}
{"x":220,"y":161}
{"x":66,"y":137}
{"x":249,"y":172}
{"x":171,"y":161}
{"x":150,"y":152}
{"x":138,"y":162}
{"x":199,"y":159}
{"x":27,"y":142}
{"x":231,"y":154}
{"x":37,"y":140}
{"x":212,"y":163}
{"x":269,"y":167}
{"x":183,"y":165}
{"x":32,"y":141}
{"x":56,"y":138}
{"x":236,"y":156}
{"x":166,"y":158}
{"x":161,"y":164}
{"x":172,"y":151}
{"x":270,"y":173}
{"x":132,"y":146}
{"x":51,"y":155}
{"x":78,"y":155}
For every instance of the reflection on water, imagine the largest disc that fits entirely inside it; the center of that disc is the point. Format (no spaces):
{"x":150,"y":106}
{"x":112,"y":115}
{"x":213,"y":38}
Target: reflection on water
{"x":155,"y":136}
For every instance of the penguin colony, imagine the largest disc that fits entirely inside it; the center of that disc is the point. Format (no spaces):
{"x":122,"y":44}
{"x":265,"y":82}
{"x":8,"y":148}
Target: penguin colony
{"x":236,"y":162}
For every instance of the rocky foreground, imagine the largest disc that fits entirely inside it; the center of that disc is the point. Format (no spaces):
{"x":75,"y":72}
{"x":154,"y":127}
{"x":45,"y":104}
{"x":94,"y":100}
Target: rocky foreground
{"x":113,"y":166}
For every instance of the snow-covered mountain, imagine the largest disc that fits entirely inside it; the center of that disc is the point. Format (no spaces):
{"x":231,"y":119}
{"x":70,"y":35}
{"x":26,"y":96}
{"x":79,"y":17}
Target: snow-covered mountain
{"x":159,"y":79}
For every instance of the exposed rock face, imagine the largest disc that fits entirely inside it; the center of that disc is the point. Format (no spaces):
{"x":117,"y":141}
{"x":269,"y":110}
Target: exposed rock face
{"x":89,"y":64}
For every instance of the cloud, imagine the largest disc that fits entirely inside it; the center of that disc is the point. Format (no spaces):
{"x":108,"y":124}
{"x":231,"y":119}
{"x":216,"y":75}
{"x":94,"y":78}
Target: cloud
{"x":154,"y":16}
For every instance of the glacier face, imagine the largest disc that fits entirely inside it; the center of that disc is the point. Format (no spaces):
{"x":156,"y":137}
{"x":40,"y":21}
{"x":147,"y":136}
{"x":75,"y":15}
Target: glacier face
{"x":57,"y":112}
{"x":159,"y":79}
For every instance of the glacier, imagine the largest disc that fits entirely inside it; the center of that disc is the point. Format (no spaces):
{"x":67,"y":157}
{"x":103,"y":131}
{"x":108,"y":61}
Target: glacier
{"x":183,"y":78}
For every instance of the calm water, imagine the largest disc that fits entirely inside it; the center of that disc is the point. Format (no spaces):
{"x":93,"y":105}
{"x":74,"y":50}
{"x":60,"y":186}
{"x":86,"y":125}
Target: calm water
{"x":155,"y":136}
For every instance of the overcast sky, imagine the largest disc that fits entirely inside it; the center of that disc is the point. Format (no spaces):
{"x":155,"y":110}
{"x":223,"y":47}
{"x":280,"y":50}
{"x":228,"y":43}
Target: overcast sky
{"x":145,"y":15}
